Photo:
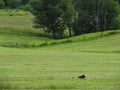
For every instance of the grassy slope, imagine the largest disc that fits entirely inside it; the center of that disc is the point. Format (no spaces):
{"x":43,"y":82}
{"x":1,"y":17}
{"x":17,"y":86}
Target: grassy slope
{"x":16,"y":21}
{"x":102,"y":44}
{"x":52,"y":67}
{"x":17,"y":30}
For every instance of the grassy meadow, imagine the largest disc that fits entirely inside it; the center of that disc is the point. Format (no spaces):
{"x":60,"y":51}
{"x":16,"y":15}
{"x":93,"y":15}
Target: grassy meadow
{"x":55,"y":65}
{"x":53,"y":68}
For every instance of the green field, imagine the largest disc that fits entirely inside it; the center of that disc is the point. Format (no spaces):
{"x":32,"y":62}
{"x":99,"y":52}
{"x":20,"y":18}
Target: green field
{"x":55,"y":65}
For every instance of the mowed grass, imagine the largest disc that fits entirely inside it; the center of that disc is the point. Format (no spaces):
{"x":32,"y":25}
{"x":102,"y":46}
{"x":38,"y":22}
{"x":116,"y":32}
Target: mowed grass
{"x":16,"y":21}
{"x":53,"y":67}
{"x":18,"y":30}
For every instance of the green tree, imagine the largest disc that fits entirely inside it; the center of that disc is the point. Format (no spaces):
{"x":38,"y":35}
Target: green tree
{"x":117,"y":1}
{"x":12,"y":3}
{"x":95,"y":15}
{"x":69,"y":10}
{"x":24,"y":2}
{"x":51,"y":14}
{"x":109,"y":13}
{"x":84,"y":17}
{"x":2,"y":4}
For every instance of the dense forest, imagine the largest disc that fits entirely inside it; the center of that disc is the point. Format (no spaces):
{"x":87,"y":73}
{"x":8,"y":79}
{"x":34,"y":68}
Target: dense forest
{"x":76,"y":16}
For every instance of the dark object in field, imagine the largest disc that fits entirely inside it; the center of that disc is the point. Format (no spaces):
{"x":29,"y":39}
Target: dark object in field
{"x":82,"y":76}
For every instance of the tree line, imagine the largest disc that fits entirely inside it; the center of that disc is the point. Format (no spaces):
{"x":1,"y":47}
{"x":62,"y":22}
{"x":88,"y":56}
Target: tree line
{"x":13,"y":4}
{"x":77,"y":16}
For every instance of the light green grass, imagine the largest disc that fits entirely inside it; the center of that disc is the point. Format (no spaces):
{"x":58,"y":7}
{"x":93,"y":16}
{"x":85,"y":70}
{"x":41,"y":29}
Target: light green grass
{"x":104,"y":44}
{"x":18,"y":30}
{"x":19,"y":38}
{"x":22,"y":22}
{"x":53,"y":68}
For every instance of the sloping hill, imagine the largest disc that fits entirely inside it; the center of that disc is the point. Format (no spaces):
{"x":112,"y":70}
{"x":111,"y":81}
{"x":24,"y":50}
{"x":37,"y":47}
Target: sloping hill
{"x":17,"y":31}
{"x":107,"y":43}
{"x":81,"y":43}
{"x":57,"y":66}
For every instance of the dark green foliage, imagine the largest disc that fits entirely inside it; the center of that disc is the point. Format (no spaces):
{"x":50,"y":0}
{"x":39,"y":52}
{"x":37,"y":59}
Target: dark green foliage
{"x":52,"y":15}
{"x":12,"y":3}
{"x":2,"y":4}
{"x":117,"y":1}
{"x":84,"y":18}
{"x":15,"y":3}
{"x":95,"y":15}
{"x":24,"y":2}
{"x":112,"y":12}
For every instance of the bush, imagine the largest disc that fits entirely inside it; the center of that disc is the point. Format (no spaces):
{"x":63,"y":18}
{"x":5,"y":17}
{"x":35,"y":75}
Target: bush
{"x":13,"y":12}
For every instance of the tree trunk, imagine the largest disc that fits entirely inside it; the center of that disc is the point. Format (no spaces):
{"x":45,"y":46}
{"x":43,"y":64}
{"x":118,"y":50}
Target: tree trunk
{"x":97,"y":15}
{"x":70,"y":32}
{"x":53,"y":31}
{"x":54,"y":36}
{"x":105,"y":20}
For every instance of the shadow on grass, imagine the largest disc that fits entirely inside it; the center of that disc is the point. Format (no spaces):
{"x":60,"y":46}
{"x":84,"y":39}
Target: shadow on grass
{"x":4,"y":86}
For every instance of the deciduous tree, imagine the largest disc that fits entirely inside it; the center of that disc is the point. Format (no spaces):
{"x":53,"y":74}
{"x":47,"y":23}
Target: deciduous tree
{"x":53,"y":15}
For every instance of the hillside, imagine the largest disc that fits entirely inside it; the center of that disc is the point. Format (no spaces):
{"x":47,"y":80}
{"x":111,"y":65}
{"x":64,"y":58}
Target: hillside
{"x":35,"y":62}
{"x":17,"y":39}
{"x":105,"y":44}
{"x":57,"y":66}
{"x":17,"y":31}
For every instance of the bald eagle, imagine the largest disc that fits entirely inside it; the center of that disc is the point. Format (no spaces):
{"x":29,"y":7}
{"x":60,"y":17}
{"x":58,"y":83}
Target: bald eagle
{"x":82,"y":76}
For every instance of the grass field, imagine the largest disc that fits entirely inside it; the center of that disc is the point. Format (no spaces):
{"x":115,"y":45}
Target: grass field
{"x":54,"y":66}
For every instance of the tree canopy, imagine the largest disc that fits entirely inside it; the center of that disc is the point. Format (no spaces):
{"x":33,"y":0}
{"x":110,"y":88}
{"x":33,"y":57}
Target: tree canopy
{"x":95,"y":15}
{"x":80,"y":16}
{"x":52,"y":14}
